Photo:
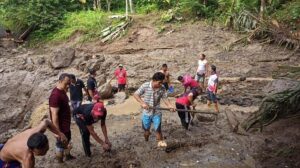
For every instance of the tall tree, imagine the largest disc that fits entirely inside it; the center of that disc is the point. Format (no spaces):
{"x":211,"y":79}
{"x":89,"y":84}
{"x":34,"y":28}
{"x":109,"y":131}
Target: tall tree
{"x":108,"y":5}
{"x":131,"y":6}
{"x":97,"y":4}
{"x":262,"y":8}
{"x":126,"y":8}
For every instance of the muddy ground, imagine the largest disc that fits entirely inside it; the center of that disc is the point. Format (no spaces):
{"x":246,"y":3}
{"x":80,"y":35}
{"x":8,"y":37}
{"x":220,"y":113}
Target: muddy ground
{"x":27,"y":79}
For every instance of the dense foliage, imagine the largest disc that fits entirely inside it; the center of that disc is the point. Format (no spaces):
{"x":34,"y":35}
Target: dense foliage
{"x":48,"y":16}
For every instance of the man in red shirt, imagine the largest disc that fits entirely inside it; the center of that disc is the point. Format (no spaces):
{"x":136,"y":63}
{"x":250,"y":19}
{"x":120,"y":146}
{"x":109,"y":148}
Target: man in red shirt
{"x":60,"y":115}
{"x":121,"y":76}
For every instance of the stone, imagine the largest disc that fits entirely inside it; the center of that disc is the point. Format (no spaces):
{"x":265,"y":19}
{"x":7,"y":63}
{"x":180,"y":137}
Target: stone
{"x":105,"y":91}
{"x":62,"y":57}
{"x":120,"y":97}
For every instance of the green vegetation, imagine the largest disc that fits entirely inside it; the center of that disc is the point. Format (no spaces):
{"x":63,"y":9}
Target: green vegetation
{"x":58,"y":19}
{"x":89,"y":23}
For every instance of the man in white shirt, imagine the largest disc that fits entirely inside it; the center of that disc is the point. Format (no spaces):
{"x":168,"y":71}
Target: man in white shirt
{"x":212,"y":88}
{"x":201,"y":70}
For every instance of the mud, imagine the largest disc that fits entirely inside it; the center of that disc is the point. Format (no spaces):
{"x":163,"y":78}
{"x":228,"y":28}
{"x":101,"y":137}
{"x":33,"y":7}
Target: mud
{"x":27,"y":80}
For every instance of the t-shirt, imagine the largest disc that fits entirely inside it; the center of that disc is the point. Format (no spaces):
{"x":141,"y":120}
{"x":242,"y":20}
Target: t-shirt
{"x":184,"y":98}
{"x":201,"y":66}
{"x":121,"y":76}
{"x":212,"y":81}
{"x":76,"y":90}
{"x":188,"y":81}
{"x":86,"y":111}
{"x":151,"y":97}
{"x":59,"y":99}
{"x":91,"y":83}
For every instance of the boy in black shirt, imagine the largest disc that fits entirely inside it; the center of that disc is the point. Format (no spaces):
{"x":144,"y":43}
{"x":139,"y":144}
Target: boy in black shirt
{"x":86,"y":115}
{"x":92,"y":85}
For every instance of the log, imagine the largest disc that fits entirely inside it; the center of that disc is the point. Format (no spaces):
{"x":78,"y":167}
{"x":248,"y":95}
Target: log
{"x":182,"y":110}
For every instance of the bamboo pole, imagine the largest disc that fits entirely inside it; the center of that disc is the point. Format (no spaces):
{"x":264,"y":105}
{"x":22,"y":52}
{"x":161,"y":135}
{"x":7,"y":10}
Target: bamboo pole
{"x":183,"y":110}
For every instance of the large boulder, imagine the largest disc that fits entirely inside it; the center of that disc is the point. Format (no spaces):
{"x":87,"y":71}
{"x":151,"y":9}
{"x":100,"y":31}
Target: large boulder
{"x":62,"y":57}
{"x":105,"y":91}
{"x":15,"y":91}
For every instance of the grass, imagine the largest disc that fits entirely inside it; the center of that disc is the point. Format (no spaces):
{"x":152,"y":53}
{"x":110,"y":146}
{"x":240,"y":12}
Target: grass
{"x":88,"y":23}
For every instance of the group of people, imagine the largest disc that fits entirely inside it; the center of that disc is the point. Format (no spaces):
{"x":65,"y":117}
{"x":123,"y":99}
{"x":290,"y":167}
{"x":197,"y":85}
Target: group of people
{"x":151,"y":93}
{"x":19,"y":151}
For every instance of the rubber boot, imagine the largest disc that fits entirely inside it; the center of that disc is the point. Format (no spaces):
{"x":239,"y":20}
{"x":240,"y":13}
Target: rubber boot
{"x":68,"y":154}
{"x":59,"y":156}
{"x":146,"y":135}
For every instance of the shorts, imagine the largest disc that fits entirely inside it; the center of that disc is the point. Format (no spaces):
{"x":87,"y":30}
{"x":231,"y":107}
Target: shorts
{"x":155,"y":119}
{"x":121,"y":86}
{"x":12,"y":164}
{"x":196,"y":91}
{"x":59,"y":145}
{"x":75,"y":104}
{"x":211,"y":96}
{"x":200,"y":77}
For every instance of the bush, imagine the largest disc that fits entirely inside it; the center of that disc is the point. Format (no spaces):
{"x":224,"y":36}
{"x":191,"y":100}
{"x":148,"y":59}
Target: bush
{"x":88,"y":23}
{"x":45,"y":15}
{"x":289,"y":14}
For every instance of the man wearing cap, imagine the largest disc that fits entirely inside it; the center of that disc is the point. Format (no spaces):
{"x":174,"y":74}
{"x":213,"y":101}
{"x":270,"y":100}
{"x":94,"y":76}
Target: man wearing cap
{"x":92,"y":84}
{"x":121,"y":76}
{"x":88,"y":114}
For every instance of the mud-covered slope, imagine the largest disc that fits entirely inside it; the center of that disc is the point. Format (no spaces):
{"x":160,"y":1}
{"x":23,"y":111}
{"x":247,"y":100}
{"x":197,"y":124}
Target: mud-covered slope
{"x":27,"y":77}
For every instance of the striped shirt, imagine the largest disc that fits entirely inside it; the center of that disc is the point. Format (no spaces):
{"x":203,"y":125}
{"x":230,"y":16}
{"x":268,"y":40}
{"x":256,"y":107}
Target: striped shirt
{"x":151,"y":97}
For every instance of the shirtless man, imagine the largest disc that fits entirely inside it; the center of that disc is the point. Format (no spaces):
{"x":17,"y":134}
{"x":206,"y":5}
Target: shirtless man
{"x":20,"y":150}
{"x":165,"y":71}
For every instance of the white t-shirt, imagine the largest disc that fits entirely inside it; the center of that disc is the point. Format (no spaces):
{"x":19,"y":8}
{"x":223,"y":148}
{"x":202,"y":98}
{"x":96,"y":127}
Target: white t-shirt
{"x":202,"y":66}
{"x":213,"y":79}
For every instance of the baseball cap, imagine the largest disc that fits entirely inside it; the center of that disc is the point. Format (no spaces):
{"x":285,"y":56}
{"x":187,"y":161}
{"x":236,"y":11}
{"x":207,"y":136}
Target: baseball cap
{"x":120,"y":65}
{"x":98,"y":109}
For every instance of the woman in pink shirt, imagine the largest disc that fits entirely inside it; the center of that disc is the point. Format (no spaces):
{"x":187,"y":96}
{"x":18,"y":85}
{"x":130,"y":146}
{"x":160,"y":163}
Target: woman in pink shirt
{"x":188,"y":82}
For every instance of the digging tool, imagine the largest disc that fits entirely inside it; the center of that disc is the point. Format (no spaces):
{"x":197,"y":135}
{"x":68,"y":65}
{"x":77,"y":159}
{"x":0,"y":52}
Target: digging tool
{"x":183,"y":110}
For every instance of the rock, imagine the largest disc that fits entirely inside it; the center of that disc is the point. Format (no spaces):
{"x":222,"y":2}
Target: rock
{"x":62,"y":57}
{"x":99,"y":57}
{"x":40,"y":60}
{"x":14,"y":51}
{"x":101,"y":80}
{"x":120,"y":97}
{"x":280,"y":85}
{"x":105,"y":91}
{"x":242,"y":78}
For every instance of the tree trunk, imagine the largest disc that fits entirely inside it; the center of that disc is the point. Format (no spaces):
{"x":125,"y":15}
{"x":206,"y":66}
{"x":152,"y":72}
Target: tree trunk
{"x":131,"y":6}
{"x":126,"y":14}
{"x":108,"y":5}
{"x":229,"y":20}
{"x":262,"y":8}
{"x":97,"y":4}
{"x":204,"y":2}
